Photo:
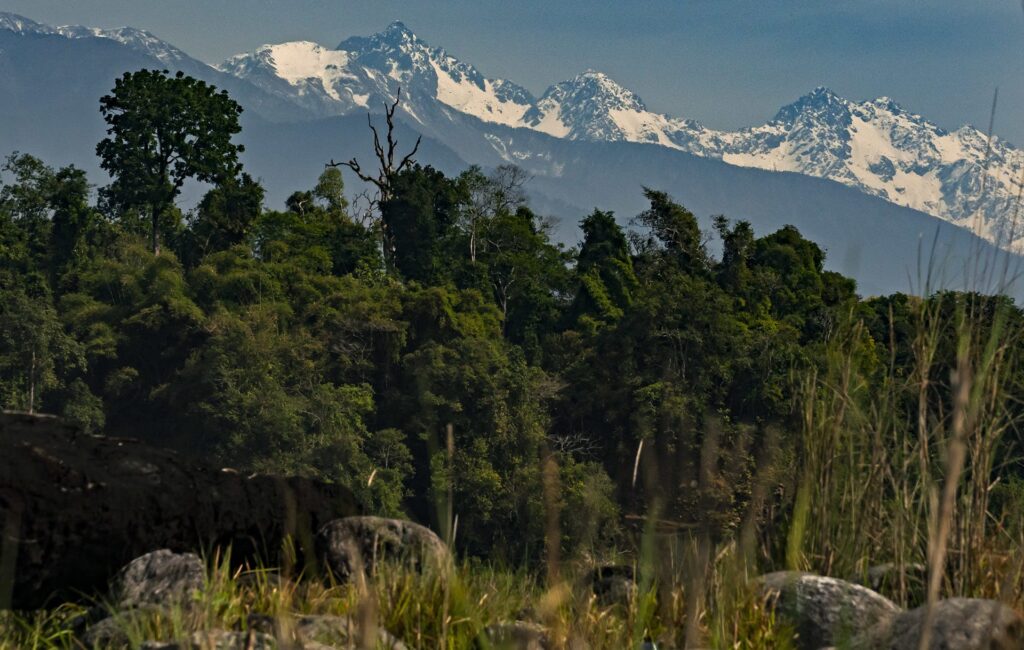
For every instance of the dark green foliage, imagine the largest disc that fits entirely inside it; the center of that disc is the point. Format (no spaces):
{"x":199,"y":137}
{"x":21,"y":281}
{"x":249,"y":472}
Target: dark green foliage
{"x":164,"y":130}
{"x":317,"y":232}
{"x":35,"y":352}
{"x":224,"y":218}
{"x":675,"y":231}
{"x":604,"y":271}
{"x":419,"y":221}
{"x":442,"y":358}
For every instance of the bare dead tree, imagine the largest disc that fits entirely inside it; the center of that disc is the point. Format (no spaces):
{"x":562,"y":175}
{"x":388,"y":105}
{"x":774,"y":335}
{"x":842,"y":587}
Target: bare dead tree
{"x":507,"y":183}
{"x":364,"y":207}
{"x":573,"y":444}
{"x":389,"y":166}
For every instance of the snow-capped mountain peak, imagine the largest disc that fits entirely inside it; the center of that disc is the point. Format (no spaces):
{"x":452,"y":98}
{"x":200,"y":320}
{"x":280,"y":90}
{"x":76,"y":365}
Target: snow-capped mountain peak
{"x":395,"y":36}
{"x":590,"y":106}
{"x":821,"y":104}
{"x":883,"y":149}
{"x":305,"y":66}
{"x":366,"y":71}
{"x":21,"y":25}
{"x":876,"y":146}
{"x":596,"y":86}
{"x":137,"y":39}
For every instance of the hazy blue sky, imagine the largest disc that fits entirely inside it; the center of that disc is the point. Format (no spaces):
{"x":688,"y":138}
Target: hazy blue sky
{"x":727,"y":63}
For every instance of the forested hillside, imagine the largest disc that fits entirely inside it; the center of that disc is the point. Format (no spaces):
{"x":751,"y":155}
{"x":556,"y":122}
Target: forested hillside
{"x":436,"y":353}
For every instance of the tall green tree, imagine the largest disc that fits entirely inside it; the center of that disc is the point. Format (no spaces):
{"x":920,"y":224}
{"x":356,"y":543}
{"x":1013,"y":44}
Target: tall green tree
{"x":487,"y":196}
{"x":164,"y":130}
{"x":34,"y":350}
{"x":420,"y":217}
{"x":604,"y":271}
{"x":675,"y":230}
{"x":224,"y":217}
{"x":46,"y":223}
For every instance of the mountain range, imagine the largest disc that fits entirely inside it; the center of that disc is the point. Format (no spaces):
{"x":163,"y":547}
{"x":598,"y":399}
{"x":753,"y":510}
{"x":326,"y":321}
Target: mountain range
{"x":875,"y":146}
{"x":850,"y":174}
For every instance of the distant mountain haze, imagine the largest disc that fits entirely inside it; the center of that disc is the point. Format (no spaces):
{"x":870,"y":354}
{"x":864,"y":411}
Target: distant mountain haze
{"x":869,"y":181}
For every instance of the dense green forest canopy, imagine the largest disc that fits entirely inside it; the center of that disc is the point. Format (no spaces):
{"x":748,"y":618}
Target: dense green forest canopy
{"x":281,"y":341}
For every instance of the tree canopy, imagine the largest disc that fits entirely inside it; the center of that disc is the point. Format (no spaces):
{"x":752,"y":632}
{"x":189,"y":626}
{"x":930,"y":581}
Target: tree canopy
{"x":162,"y":131}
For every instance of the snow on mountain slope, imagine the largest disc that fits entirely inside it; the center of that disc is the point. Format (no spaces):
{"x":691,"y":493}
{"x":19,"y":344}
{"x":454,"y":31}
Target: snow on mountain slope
{"x":369,"y":69}
{"x":875,"y":146}
{"x":884,"y":150}
{"x":21,"y":25}
{"x":137,"y":39}
{"x":308,"y":73}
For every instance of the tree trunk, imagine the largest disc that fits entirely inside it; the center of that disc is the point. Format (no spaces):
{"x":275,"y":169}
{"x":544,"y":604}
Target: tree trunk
{"x":32,"y":382}
{"x":154,"y":235}
{"x":75,"y":508}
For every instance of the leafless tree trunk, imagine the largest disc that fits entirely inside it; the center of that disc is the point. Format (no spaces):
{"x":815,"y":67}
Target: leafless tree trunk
{"x":387,"y":169}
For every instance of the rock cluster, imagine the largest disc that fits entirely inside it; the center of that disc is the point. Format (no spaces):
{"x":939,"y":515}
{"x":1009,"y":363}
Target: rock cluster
{"x":828,"y":613}
{"x":168,"y":584}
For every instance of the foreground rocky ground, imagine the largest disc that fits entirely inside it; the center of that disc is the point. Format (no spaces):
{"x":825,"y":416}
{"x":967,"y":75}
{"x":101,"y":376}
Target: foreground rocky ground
{"x":109,"y":543}
{"x":168,"y":601}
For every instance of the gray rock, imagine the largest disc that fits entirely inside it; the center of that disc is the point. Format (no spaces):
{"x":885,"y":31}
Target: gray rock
{"x":957,"y":624}
{"x":825,"y":611}
{"x":889,"y":573}
{"x":159,"y":578}
{"x":518,"y":635}
{"x":310,"y":632}
{"x":225,"y":640}
{"x":217,"y":640}
{"x":113,"y":631}
{"x":88,"y":511}
{"x":613,"y":584}
{"x":354,"y":544}
{"x":340,"y":632}
{"x":108,"y":633}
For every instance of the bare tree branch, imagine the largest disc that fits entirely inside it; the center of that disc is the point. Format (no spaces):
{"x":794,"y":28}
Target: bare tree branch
{"x":387,"y":170}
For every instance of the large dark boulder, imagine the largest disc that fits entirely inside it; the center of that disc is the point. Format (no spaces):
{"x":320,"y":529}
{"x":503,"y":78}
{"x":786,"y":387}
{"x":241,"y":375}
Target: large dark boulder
{"x":75,"y":508}
{"x":355,"y":545}
{"x":825,"y":611}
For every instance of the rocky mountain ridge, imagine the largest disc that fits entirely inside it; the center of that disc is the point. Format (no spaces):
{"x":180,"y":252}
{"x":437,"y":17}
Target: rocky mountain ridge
{"x":875,"y":146}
